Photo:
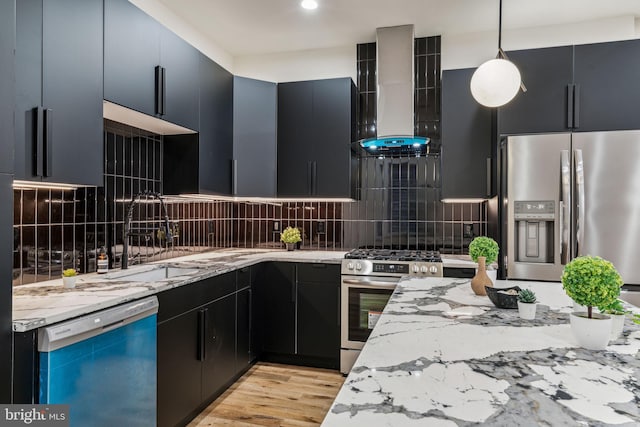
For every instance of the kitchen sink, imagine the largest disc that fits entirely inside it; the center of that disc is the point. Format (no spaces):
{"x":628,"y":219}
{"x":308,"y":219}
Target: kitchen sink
{"x":631,"y":297}
{"x":153,"y":274}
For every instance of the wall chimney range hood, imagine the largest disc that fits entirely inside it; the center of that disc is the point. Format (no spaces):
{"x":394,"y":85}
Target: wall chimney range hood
{"x":395,"y":94}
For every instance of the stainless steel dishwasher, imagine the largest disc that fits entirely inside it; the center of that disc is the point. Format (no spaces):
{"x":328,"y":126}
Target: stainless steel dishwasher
{"x":103,"y":365}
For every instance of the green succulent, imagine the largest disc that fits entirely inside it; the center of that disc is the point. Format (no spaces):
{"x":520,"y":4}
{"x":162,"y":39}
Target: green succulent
{"x":591,"y":281}
{"x":636,"y":318}
{"x":484,"y":246}
{"x":69,"y":272}
{"x":615,"y":307}
{"x":527,"y":296}
{"x":290,"y":235}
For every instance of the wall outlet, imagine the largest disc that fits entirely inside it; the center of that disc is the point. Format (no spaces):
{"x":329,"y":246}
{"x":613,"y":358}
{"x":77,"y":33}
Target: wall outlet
{"x":276,"y":226}
{"x":321,"y":227}
{"x":467,"y":231}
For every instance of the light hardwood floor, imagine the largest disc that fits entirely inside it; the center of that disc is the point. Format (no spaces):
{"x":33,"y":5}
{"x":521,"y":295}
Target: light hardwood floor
{"x":274,"y":395}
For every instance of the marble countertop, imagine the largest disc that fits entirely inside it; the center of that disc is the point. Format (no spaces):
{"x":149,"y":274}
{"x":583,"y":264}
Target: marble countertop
{"x":442,"y":356}
{"x":45,"y":303}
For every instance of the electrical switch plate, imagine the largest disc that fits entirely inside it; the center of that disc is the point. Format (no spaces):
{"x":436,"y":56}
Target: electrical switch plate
{"x":467,"y":231}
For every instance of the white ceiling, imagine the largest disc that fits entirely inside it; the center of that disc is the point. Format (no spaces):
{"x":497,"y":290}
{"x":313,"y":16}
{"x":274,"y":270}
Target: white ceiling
{"x":253,"y":27}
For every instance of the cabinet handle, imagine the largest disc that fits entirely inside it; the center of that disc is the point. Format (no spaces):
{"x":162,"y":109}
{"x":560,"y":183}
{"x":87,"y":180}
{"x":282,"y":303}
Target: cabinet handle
{"x":569,"y":106}
{"x":38,"y":135}
{"x":234,"y":177}
{"x":202,"y":326}
{"x":309,"y":178}
{"x":317,"y":265}
{"x":339,"y":307}
{"x":488,"y":176}
{"x":314,"y":175}
{"x":164,"y":91}
{"x":576,"y":106}
{"x":158,"y":81}
{"x":47,"y":143}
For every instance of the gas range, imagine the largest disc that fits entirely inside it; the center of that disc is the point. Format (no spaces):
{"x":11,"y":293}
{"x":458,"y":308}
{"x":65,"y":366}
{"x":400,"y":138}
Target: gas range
{"x":393,"y":263}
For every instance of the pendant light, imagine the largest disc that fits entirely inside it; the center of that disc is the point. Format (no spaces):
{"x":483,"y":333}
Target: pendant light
{"x":497,"y":81}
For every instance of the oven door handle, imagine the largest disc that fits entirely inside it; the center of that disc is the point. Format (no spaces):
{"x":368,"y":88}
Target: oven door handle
{"x":370,"y":282}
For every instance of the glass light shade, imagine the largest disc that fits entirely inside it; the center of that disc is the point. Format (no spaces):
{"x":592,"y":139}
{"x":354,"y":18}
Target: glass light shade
{"x":309,"y":4}
{"x":495,"y":82}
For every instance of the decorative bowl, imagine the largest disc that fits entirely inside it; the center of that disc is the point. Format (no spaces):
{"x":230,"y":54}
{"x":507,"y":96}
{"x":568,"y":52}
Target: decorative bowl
{"x":501,"y":299}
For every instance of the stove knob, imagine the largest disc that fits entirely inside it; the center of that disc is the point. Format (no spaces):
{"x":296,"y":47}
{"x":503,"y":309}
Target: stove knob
{"x":424,"y":269}
{"x":350,"y":266}
{"x":433,"y":269}
{"x":358,"y":266}
{"x":416,"y":268}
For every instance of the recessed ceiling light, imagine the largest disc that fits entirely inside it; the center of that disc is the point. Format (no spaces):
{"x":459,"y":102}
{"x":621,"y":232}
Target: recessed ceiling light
{"x":309,"y":4}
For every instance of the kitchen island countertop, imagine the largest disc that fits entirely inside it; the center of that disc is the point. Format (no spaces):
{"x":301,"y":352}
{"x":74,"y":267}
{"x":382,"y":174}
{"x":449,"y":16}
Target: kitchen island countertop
{"x":442,"y":356}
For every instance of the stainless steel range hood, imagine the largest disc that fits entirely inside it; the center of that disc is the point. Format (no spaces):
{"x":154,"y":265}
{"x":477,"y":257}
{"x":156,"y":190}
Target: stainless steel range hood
{"x":395,"y":91}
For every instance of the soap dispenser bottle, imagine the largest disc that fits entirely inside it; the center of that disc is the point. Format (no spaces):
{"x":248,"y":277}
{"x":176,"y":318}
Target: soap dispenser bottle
{"x":103,"y":261}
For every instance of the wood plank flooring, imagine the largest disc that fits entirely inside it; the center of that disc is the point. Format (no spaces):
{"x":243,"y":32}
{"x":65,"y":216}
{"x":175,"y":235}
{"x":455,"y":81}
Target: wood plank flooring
{"x":274,"y":396}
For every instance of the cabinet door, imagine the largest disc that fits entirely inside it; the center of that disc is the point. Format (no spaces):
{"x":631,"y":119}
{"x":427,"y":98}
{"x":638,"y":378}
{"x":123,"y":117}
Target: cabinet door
{"x":131,"y":53}
{"x":216,"y":128}
{"x":7,"y":83}
{"x":466,"y":139}
{"x":218,"y":367}
{"x":331,"y":137}
{"x":319,"y":315}
{"x":275,"y":293}
{"x":607,"y":74}
{"x":72,"y":89}
{"x":254,"y":137}
{"x":181,"y":62}
{"x":543,"y":108}
{"x":179,"y":368}
{"x":295,"y":130}
{"x":244,"y":353}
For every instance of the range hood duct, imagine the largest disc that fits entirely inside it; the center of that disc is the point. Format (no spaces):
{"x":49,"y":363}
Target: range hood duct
{"x":395,"y":94}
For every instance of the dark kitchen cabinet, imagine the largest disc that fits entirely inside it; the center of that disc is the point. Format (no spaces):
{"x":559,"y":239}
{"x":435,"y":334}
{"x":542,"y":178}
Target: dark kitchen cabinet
{"x":147,"y":67}
{"x":201,"y":163}
{"x":607,"y":90}
{"x":59,"y":91}
{"x":219,"y":356}
{"x":318,"y":319}
{"x":254,"y":137}
{"x":7,"y":83}
{"x":466,"y":139}
{"x":244,"y":349}
{"x":547,"y":74}
{"x":316,"y":125}
{"x":581,"y":88}
{"x":298,"y":313}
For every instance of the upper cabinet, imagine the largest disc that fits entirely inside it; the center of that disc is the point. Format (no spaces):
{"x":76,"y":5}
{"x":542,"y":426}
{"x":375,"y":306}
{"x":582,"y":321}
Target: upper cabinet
{"x":7,"y":87}
{"x":466,"y":139}
{"x":59,"y":65}
{"x":201,"y":163}
{"x":254,"y":137}
{"x":581,"y":88}
{"x":316,"y":125}
{"x":147,"y":67}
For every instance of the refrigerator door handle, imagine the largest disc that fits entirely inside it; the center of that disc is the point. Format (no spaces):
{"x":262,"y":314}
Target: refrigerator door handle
{"x":579,"y":171}
{"x":565,"y":205}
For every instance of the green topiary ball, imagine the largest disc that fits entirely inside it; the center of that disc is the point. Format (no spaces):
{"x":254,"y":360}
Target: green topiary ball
{"x":484,"y":246}
{"x":591,"y":281}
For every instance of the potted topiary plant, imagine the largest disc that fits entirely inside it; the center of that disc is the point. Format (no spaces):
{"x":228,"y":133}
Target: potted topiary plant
{"x":69,"y":278}
{"x":484,"y":251}
{"x":592,"y":282}
{"x":290,"y":236}
{"x":527,"y":304}
{"x":616,"y":311}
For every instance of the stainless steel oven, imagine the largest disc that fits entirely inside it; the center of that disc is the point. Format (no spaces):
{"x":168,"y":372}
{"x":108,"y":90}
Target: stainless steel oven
{"x":369,"y":277}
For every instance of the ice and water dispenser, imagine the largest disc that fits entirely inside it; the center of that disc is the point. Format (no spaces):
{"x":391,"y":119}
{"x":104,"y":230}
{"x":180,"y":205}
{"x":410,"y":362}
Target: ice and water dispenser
{"x":534,"y":235}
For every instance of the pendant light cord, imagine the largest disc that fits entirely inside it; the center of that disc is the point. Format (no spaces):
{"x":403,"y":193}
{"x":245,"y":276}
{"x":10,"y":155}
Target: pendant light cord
{"x":500,"y":28}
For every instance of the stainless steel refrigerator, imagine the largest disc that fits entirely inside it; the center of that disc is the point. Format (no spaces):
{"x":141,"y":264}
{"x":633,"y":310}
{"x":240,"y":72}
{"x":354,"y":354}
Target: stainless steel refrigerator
{"x":573,"y":194}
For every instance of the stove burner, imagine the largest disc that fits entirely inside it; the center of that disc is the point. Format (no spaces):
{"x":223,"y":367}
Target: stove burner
{"x":394,"y":255}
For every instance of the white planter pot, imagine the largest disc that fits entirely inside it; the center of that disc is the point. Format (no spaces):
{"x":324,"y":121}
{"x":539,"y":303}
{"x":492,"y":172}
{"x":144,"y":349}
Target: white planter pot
{"x":527,"y":311}
{"x":592,"y":334}
{"x":579,"y":308}
{"x":69,"y":282}
{"x":617,"y":325}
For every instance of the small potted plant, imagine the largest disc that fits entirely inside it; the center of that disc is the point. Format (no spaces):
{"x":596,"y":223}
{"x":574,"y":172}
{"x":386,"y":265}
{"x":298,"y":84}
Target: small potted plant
{"x":69,"y":278}
{"x":484,"y":251}
{"x":290,"y":236}
{"x":527,"y":304}
{"x":616,"y":311}
{"x":592,"y":282}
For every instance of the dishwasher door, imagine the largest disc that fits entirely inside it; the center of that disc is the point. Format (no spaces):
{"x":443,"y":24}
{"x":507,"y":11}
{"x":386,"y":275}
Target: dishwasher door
{"x":103,"y":366}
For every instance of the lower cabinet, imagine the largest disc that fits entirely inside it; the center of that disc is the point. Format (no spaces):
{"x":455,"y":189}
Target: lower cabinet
{"x":201,"y":348}
{"x":297,"y":313}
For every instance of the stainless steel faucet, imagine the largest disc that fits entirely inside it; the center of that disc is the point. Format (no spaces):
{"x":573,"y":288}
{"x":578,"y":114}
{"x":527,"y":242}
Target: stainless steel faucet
{"x":127,"y":222}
